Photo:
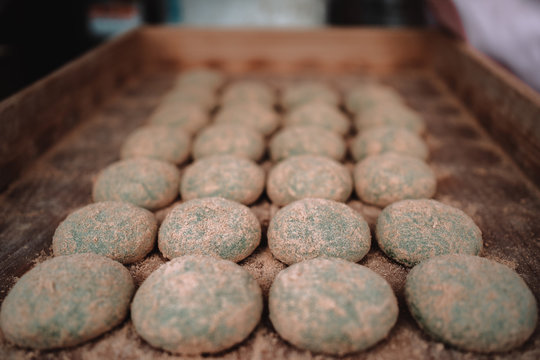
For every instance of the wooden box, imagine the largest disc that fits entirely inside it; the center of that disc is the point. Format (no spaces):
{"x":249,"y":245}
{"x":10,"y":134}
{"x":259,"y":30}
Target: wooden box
{"x":483,"y":131}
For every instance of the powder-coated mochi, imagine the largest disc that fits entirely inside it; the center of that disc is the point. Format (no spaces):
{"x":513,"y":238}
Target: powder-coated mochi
{"x":388,"y":139}
{"x":370,"y":95}
{"x":472,"y":303}
{"x":197,"y":304}
{"x":66,"y":301}
{"x":332,"y":306}
{"x":256,"y":116}
{"x":308,"y":176}
{"x":307,"y":140}
{"x":227,"y":176}
{"x":190,"y":118}
{"x":210,"y":226}
{"x":157,"y":142}
{"x":119,"y":230}
{"x":306,"y":92}
{"x":200,"y":77}
{"x":199,"y":96}
{"x":383,"y":179}
{"x":411,"y":231}
{"x":390,"y":114}
{"x":148,"y":183}
{"x":229,"y":139}
{"x":319,"y":114}
{"x":249,"y":92}
{"x":310,"y":228}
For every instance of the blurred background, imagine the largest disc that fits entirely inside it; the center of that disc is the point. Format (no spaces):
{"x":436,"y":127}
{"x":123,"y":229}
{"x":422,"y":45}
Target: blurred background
{"x":37,"y":36}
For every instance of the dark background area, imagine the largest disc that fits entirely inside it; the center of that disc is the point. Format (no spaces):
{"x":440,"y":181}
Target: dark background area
{"x":39,"y":36}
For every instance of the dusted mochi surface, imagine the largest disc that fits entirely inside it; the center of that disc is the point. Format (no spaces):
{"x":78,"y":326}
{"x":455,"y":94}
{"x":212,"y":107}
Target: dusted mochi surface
{"x":227,"y":176}
{"x":254,"y":115}
{"x":148,"y":183}
{"x":119,"y":230}
{"x":388,"y":139}
{"x":308,"y":176}
{"x":306,"y":92}
{"x":319,"y":114}
{"x":210,"y":226}
{"x":383,"y":179}
{"x":393,"y":114}
{"x":201,"y":96}
{"x":311,"y":228}
{"x":332,"y":306}
{"x":307,"y":140}
{"x":249,"y":91}
{"x":229,"y":139}
{"x":200,"y":77}
{"x":370,"y":95}
{"x":472,"y":303}
{"x":190,"y":118}
{"x":66,"y":301}
{"x":158,"y":142}
{"x":197,"y":304}
{"x":411,"y":231}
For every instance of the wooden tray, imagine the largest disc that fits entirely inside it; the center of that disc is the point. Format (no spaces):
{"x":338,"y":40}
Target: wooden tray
{"x":483,"y":136}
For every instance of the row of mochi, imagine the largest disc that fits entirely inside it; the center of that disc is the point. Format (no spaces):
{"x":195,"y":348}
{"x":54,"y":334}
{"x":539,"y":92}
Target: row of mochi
{"x":153,"y":184}
{"x":200,"y":304}
{"x":407,"y":231}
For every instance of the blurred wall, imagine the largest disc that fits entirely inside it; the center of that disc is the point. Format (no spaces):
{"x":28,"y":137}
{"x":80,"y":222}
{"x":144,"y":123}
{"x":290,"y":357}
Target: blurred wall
{"x":264,"y":13}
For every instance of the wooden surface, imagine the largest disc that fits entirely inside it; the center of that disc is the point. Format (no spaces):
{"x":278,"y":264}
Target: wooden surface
{"x":473,"y":174}
{"x":288,"y":51}
{"x":508,"y":108}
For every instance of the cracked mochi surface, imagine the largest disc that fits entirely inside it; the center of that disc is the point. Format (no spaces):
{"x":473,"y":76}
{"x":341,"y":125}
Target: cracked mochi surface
{"x":383,"y":179}
{"x":226,"y":176}
{"x":310,"y":228}
{"x":229,"y":139}
{"x":256,"y":116}
{"x":307,"y":140}
{"x":472,"y":303}
{"x":66,"y":301}
{"x":332,"y":306}
{"x":411,"y":231}
{"x":388,"y":139}
{"x":319,"y":114}
{"x":305,"y":92}
{"x":308,"y":176}
{"x":249,"y":92}
{"x":119,"y":230}
{"x":148,"y":183}
{"x":158,"y":142}
{"x":210,"y":226}
{"x":197,"y":304}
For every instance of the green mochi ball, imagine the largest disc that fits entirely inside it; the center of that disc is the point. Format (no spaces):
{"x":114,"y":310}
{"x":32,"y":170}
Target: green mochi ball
{"x":383,"y":179}
{"x":307,"y":140}
{"x":226,"y":176}
{"x":332,"y":306}
{"x":66,"y":301}
{"x":119,"y":230}
{"x":472,"y":303}
{"x":148,"y":183}
{"x":308,"y":176}
{"x":229,"y":139}
{"x":411,"y":231}
{"x":210,"y":226}
{"x":310,"y":228}
{"x":197,"y":304}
